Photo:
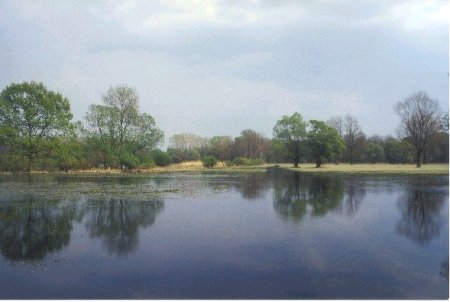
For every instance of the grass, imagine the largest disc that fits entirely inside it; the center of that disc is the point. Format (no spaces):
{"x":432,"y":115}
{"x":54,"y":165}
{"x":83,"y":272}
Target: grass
{"x":196,"y":166}
{"x":428,"y":169}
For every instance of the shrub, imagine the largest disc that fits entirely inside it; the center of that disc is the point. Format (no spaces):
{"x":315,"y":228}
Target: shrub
{"x":209,"y":161}
{"x":160,"y":158}
{"x":242,"y":161}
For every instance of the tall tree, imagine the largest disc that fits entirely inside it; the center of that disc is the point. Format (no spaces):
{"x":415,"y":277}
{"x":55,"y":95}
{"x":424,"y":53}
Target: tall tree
{"x":337,"y":123}
{"x":117,"y":132}
{"x":31,"y":116}
{"x":324,"y":142}
{"x":291,"y":130}
{"x":419,"y":115}
{"x":125,"y":102}
{"x":353,"y":136}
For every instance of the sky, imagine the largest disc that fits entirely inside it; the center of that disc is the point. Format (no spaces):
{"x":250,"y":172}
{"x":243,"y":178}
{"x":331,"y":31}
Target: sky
{"x":218,"y":67}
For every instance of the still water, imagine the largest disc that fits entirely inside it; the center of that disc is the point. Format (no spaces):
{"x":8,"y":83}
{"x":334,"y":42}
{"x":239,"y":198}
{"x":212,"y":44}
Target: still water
{"x":193,"y":235}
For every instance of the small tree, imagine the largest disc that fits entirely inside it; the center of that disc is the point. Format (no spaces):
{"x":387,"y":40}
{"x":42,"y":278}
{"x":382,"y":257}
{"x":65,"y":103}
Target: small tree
{"x":323,"y":142}
{"x":419,"y":115}
{"x":291,"y":130}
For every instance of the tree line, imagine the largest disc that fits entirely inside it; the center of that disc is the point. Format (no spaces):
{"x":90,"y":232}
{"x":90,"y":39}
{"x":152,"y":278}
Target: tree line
{"x":37,"y":133}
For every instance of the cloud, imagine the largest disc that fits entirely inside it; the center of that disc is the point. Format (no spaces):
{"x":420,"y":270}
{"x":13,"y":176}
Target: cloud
{"x":217,"y":67}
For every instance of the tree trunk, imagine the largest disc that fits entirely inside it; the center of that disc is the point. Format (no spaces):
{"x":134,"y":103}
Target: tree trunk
{"x":318,"y":163}
{"x":296,"y":164}
{"x":418,"y":156}
{"x":30,"y":160}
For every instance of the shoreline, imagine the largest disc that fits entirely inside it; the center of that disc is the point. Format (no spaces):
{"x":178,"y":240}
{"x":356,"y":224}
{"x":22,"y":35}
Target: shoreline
{"x":308,"y":168}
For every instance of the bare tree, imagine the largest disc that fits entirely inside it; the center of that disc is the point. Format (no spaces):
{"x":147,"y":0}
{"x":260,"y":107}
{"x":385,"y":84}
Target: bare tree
{"x":336,"y":122}
{"x":353,"y":135}
{"x":419,"y":116}
{"x":251,"y":145}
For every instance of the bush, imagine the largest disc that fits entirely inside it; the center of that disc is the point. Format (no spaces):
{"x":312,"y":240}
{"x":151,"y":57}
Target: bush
{"x":209,"y":161}
{"x":128,"y":160}
{"x":160,"y":158}
{"x":242,"y":161}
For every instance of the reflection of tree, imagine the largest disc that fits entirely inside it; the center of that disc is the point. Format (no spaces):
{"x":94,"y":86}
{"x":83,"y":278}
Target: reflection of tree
{"x":117,"y":221}
{"x":30,"y":229}
{"x":420,"y":212}
{"x":354,"y":195}
{"x":253,"y":185}
{"x":444,"y":269}
{"x":296,"y":195}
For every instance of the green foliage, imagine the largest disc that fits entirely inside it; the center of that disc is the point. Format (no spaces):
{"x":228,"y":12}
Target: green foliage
{"x":160,"y":158}
{"x":30,"y":116}
{"x":117,"y":126}
{"x":128,"y":160}
{"x":373,"y":152}
{"x":324,"y":142}
{"x":291,"y":130}
{"x":209,"y":161}
{"x":396,"y":151}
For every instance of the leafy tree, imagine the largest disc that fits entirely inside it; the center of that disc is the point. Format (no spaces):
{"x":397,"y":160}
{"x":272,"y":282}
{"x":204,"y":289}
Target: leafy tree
{"x":30,"y":116}
{"x":117,"y":132}
{"x":396,"y":151}
{"x":373,"y":152}
{"x":323,"y":142}
{"x":291,"y":130}
{"x":419,"y":120}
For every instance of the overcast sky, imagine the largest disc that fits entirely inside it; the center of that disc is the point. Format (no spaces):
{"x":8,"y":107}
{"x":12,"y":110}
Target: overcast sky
{"x":218,"y":67}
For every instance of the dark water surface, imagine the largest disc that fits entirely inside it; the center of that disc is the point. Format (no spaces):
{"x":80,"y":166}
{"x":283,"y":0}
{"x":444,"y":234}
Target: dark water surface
{"x":257,"y":235}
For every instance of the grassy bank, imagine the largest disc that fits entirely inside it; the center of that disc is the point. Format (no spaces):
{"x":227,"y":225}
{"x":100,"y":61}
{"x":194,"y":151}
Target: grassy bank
{"x":196,"y":166}
{"x":429,"y":169}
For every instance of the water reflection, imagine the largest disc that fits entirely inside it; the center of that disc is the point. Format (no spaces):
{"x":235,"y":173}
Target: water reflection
{"x":295,"y":195}
{"x":117,"y":222}
{"x":253,"y":185}
{"x":32,"y":228}
{"x":444,"y":269}
{"x":420,"y":215}
{"x":355,"y":193}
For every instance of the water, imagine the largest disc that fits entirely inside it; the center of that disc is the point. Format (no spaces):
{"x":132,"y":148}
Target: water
{"x":192,"y":235}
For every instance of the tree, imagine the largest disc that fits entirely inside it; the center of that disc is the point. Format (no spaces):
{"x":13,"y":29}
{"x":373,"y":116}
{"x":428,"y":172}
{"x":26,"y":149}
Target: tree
{"x":353,"y":136}
{"x":220,"y":147}
{"x":323,"y":142}
{"x":186,"y":146}
{"x":124,"y":101}
{"x":337,"y":123}
{"x":291,"y":130}
{"x":117,"y":132}
{"x":251,"y":145}
{"x":419,"y":120}
{"x":31,"y":116}
{"x":373,"y":152}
